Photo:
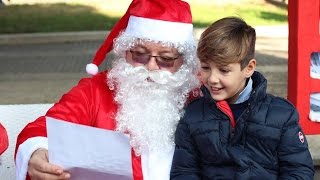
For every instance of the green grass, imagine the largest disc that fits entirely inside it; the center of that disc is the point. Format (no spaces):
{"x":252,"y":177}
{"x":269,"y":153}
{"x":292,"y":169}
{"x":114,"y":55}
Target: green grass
{"x":52,"y":18}
{"x":76,"y":17}
{"x":254,"y":14}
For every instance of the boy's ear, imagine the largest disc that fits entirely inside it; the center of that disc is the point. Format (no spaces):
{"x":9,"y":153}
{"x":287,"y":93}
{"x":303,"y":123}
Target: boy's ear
{"x":251,"y":67}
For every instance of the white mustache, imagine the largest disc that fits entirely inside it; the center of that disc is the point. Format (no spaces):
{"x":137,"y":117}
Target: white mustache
{"x":158,"y":76}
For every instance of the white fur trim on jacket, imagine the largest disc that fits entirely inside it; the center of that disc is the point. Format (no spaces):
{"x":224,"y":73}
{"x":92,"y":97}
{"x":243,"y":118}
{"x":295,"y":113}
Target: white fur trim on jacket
{"x":24,"y":153}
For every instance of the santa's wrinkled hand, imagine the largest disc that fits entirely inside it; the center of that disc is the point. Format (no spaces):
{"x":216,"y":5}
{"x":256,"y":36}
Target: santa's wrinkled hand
{"x":40,"y":169}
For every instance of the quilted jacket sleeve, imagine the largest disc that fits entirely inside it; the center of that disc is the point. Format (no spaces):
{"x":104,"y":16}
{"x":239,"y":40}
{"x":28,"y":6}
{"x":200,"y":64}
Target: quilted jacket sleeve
{"x":294,"y":157}
{"x":185,"y":160}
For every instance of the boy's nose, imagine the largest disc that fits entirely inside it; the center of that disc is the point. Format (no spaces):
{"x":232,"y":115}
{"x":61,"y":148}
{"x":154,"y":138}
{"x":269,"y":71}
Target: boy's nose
{"x":213,"y":78}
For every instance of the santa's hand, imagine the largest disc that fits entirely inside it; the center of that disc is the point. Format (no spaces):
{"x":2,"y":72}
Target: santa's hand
{"x":40,"y":169}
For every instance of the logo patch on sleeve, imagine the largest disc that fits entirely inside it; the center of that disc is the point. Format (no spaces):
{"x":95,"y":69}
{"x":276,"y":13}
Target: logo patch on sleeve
{"x":301,"y":137}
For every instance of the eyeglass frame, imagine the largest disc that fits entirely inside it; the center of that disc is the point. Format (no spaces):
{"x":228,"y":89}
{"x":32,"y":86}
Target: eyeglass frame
{"x":160,"y":60}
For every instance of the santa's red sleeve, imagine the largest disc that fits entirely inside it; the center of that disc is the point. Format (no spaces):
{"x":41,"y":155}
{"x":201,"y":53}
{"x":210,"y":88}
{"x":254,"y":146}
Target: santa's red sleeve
{"x":4,"y":142}
{"x":75,"y":106}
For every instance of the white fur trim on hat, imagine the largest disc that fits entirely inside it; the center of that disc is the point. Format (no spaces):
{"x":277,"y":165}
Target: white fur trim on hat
{"x":159,"y":30}
{"x":92,"y":69}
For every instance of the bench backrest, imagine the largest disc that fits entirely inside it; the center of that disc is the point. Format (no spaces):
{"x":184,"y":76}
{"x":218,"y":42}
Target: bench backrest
{"x":14,"y":118}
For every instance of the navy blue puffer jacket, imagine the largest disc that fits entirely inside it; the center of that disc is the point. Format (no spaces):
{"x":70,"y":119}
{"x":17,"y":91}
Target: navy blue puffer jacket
{"x":266,"y":143}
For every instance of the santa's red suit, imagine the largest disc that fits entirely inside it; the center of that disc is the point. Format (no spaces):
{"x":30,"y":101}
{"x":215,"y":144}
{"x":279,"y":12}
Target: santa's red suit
{"x":90,"y":103}
{"x":4,"y":142}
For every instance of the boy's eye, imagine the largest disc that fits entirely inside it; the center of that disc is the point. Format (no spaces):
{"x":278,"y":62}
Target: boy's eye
{"x":224,"y":70}
{"x":205,"y":67}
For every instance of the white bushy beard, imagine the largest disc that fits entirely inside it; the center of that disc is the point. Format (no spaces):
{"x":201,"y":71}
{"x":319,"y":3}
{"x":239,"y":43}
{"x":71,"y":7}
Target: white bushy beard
{"x":150,"y":104}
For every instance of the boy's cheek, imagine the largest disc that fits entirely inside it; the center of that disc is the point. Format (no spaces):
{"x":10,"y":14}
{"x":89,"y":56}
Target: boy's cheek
{"x":203,"y":77}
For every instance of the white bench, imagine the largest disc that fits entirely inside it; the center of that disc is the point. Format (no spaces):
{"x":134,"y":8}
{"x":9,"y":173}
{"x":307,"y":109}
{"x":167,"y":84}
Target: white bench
{"x":14,"y":118}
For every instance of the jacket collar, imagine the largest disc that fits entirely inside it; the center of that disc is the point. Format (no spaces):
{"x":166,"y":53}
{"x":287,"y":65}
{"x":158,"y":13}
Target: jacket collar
{"x":245,"y":93}
{"x":259,"y":88}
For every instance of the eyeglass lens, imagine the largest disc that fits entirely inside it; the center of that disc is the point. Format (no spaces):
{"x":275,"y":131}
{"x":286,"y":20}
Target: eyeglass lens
{"x":143,"y":58}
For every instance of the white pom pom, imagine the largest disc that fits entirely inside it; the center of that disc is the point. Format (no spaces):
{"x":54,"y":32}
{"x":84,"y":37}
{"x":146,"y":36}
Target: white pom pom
{"x":92,"y":69}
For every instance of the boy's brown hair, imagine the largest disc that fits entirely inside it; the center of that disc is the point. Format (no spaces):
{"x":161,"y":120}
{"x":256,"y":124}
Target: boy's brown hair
{"x":228,"y":40}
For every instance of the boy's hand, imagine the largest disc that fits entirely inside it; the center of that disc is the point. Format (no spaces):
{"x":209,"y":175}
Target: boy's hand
{"x":39,"y":167}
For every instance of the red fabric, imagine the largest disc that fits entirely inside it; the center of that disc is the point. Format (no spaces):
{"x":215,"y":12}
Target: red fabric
{"x":4,"y":141}
{"x":224,"y":107}
{"x":107,"y":45}
{"x":90,"y":103}
{"x":168,"y":10}
{"x":136,"y":166}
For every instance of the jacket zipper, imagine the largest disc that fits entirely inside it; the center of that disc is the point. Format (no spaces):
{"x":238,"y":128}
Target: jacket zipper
{"x":230,"y":116}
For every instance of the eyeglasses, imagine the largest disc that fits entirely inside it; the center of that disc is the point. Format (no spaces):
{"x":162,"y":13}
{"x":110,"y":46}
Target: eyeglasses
{"x":162,"y":61}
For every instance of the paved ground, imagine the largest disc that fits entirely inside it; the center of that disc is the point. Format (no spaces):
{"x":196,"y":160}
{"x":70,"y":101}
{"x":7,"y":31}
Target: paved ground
{"x":45,"y":66}
{"x":40,"y":68}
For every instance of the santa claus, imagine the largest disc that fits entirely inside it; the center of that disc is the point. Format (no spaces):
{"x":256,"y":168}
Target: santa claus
{"x":142,"y":95}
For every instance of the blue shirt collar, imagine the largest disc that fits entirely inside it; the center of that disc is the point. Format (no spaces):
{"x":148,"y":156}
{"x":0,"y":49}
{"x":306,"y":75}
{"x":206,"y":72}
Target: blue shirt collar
{"x":245,"y":94}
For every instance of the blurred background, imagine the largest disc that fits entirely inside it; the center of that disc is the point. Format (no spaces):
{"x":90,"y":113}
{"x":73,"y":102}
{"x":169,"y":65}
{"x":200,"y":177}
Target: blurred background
{"x":45,"y":45}
{"x":28,"y":16}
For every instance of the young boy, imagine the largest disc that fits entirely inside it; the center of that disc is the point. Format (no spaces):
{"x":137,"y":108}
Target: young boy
{"x":236,"y":130}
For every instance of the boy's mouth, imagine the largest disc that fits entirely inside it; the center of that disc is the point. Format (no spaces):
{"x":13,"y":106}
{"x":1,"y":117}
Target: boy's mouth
{"x":215,"y":89}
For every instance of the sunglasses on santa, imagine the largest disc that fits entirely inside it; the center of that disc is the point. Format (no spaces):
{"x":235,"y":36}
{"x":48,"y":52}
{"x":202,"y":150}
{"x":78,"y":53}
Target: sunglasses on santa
{"x":161,"y":60}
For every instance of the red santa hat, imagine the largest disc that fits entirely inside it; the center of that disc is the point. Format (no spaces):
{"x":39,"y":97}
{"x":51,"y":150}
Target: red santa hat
{"x":4,"y":143}
{"x":159,"y":20}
